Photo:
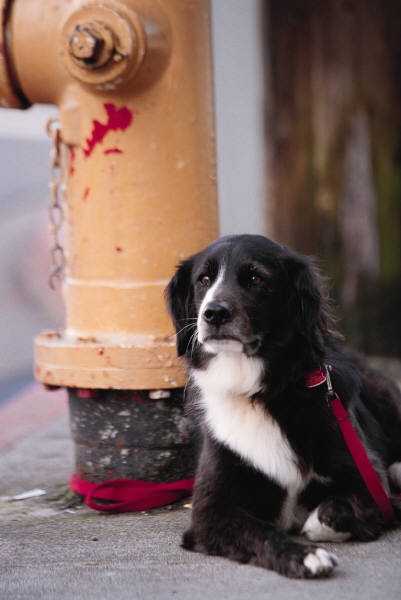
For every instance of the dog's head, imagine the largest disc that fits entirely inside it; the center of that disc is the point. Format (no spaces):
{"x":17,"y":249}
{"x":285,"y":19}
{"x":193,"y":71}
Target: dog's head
{"x":246,"y":293}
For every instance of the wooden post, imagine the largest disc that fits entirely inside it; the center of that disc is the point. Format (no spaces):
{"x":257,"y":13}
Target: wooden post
{"x":334,"y":128}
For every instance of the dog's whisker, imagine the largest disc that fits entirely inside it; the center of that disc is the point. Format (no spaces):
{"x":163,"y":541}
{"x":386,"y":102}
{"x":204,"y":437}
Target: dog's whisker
{"x":192,"y":342}
{"x":188,"y":326}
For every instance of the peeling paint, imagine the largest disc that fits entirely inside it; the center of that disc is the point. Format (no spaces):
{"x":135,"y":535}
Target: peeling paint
{"x":129,"y":435}
{"x":117,"y":120}
{"x":72,"y":161}
{"x":109,"y":433}
{"x":124,"y":413}
{"x":86,"y":393}
{"x":113,"y":151}
{"x":50,"y":335}
{"x":159,"y":394}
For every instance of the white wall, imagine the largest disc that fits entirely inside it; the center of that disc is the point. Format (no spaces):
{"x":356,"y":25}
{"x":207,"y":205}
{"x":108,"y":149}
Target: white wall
{"x":238,"y":67}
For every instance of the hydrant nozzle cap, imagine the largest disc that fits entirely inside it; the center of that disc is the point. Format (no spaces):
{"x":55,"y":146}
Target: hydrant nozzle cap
{"x":92,"y":45}
{"x":103,"y":46}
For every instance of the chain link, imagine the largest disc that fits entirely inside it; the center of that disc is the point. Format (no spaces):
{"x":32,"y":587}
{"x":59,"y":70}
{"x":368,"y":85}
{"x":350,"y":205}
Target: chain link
{"x":57,"y":197}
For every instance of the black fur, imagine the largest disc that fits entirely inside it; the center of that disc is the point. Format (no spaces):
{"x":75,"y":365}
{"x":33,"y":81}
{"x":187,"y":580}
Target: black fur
{"x":275,"y":305}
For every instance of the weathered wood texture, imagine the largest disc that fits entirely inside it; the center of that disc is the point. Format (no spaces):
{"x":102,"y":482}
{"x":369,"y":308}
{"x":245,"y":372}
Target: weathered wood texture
{"x":333,"y":129}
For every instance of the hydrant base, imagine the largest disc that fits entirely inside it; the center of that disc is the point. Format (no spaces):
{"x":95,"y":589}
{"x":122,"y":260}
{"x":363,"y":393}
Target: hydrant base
{"x":124,"y":434}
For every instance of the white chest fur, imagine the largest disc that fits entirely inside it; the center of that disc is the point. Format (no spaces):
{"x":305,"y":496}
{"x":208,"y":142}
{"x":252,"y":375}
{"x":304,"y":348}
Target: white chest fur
{"x":244,"y":426}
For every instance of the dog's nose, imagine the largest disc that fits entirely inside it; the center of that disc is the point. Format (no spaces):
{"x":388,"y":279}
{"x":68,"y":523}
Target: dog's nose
{"x":217,"y":313}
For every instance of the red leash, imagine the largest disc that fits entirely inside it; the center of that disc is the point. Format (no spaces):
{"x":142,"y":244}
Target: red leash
{"x":354,"y":444}
{"x":128,"y":495}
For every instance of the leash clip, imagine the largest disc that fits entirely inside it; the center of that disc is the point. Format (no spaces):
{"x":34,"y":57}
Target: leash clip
{"x":331,"y":395}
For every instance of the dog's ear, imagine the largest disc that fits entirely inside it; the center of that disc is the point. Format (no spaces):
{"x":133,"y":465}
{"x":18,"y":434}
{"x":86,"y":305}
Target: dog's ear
{"x":179,"y":295}
{"x":308,"y":302}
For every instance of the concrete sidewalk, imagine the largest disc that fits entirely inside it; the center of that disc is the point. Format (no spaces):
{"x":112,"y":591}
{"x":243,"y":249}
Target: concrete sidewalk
{"x":48,"y":552}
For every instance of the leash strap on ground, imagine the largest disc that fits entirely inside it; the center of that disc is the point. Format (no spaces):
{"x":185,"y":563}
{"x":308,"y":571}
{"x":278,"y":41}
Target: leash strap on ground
{"x":129,"y":495}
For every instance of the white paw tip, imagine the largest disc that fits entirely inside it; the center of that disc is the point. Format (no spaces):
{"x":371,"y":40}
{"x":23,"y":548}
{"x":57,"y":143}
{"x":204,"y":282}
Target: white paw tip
{"x":320,"y":563}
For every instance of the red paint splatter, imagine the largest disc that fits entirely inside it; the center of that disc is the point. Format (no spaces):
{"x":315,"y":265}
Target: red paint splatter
{"x":72,"y":161}
{"x":117,"y":119}
{"x":86,"y":194}
{"x":137,"y":398}
{"x":113,"y":151}
{"x":86,"y":393}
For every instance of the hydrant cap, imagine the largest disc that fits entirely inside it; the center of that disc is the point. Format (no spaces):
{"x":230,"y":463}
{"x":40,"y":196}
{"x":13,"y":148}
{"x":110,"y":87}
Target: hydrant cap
{"x":103,"y":46}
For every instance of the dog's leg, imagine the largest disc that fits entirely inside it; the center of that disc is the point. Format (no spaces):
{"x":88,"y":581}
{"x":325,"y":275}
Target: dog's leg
{"x":222,"y":526}
{"x":231,"y":533}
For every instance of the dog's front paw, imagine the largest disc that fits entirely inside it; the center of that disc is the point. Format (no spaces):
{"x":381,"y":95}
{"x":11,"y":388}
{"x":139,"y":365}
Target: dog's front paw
{"x":300,"y":561}
{"x":319,"y":563}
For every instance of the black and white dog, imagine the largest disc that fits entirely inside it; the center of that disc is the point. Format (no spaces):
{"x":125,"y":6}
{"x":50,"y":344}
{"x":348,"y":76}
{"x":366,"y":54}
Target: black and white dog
{"x":252,"y":320}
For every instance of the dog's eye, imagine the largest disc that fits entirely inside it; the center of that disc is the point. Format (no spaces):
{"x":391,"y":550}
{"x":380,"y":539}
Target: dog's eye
{"x":204,"y":280}
{"x":256,"y":280}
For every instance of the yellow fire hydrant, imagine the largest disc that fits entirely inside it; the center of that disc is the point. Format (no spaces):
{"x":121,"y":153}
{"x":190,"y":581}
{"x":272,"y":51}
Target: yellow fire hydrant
{"x":135,"y":144}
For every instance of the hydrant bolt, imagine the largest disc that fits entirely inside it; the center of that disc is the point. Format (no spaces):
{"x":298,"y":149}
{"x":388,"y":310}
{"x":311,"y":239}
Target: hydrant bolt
{"x":103,"y":45}
{"x":92,"y":45}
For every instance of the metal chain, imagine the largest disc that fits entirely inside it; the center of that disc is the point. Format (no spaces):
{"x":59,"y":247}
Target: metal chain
{"x":56,"y":210}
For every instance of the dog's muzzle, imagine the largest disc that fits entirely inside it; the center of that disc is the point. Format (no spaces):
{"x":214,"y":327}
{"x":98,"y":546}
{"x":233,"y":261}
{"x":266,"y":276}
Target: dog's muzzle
{"x":219,"y":330}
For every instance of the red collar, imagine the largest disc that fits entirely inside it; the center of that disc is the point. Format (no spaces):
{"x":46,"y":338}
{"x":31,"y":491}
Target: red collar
{"x":315,"y":378}
{"x":318,"y":377}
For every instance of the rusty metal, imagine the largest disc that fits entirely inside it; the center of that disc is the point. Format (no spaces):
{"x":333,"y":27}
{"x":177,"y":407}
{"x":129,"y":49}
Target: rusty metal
{"x":132,"y":80}
{"x":128,"y":434}
{"x":92,"y":44}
